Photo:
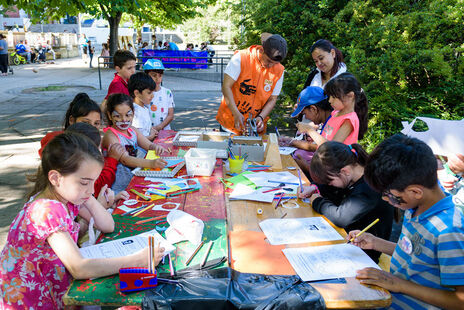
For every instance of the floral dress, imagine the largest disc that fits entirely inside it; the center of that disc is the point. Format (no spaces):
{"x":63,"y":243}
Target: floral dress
{"x":31,"y":274}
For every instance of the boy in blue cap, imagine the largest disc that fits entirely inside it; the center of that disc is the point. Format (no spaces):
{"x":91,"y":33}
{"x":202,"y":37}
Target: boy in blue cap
{"x":314,"y":105}
{"x":162,"y":105}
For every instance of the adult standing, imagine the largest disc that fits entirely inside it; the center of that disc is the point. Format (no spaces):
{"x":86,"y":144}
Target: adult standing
{"x":91,"y":52}
{"x":83,"y":43}
{"x":329,"y":63}
{"x":3,"y":55}
{"x":252,"y":82}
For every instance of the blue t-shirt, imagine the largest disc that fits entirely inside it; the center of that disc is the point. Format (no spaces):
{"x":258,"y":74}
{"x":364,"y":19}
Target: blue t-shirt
{"x":173,"y":46}
{"x":20,"y":48}
{"x":430,"y":251}
{"x":5,"y":47}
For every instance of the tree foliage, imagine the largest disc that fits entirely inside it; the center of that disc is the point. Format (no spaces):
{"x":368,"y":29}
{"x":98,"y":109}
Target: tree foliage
{"x":407,"y":54}
{"x":165,"y":13}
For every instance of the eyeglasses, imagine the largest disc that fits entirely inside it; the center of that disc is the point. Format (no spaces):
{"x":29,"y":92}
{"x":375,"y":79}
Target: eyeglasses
{"x":394,"y":200}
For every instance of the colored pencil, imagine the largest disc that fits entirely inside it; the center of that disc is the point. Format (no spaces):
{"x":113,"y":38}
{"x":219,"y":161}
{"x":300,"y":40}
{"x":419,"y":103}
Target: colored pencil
{"x":291,"y":183}
{"x":171,"y":267}
{"x":152,"y":219}
{"x":299,"y":178}
{"x":283,"y":216}
{"x":278,"y":202}
{"x":143,"y":210}
{"x":148,"y":186}
{"x":273,"y":189}
{"x":363,"y":231}
{"x":134,"y":210}
{"x":145,"y":197}
{"x":194,"y":253}
{"x":205,"y":258}
{"x":286,"y":197}
{"x":182,"y":192}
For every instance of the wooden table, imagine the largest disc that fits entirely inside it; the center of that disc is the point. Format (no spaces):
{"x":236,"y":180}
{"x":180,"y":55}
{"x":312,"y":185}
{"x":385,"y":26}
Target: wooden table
{"x":251,"y":253}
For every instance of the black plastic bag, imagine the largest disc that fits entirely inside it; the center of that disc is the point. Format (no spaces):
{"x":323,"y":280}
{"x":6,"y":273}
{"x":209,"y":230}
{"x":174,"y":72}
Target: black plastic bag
{"x":226,"y":288}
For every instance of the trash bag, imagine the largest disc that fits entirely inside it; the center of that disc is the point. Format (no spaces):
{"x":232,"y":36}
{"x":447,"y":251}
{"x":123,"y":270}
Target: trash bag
{"x":226,"y":289}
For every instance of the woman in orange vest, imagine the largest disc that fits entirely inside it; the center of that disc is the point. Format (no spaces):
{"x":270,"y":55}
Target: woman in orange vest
{"x":252,"y":82}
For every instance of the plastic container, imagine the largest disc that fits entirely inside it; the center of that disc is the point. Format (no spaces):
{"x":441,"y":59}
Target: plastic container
{"x":236,"y":165}
{"x":200,"y":161}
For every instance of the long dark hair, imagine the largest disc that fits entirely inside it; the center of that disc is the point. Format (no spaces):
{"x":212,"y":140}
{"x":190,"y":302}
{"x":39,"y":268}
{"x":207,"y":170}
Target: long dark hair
{"x":114,"y":100}
{"x":327,"y":46}
{"x":81,"y":105}
{"x":340,"y":86}
{"x":331,"y":157}
{"x":64,"y":153}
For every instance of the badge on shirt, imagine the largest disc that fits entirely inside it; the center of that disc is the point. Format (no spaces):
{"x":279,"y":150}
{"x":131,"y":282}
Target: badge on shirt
{"x":267,"y":85}
{"x":406,"y":245}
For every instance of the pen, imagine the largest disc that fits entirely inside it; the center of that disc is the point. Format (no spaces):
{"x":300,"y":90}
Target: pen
{"x":299,"y":178}
{"x":194,"y":253}
{"x":203,"y":263}
{"x":363,"y":231}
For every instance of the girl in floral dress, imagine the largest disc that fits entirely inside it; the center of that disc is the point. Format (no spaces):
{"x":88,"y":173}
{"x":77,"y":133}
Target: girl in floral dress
{"x":41,"y":256}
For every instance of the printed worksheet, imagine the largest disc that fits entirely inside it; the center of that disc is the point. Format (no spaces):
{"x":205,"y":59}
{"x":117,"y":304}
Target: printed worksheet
{"x":125,"y":246}
{"x":328,"y":261}
{"x":298,"y":230}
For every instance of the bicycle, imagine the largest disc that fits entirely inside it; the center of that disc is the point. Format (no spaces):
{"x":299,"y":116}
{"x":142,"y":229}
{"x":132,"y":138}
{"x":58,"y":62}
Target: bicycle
{"x":18,"y":59}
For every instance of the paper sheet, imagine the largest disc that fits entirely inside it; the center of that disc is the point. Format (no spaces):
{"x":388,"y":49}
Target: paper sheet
{"x":286,"y":150}
{"x":444,"y":136}
{"x":328,"y":261}
{"x":298,"y":230}
{"x":125,"y":246}
{"x":243,"y":192}
{"x":263,"y":178}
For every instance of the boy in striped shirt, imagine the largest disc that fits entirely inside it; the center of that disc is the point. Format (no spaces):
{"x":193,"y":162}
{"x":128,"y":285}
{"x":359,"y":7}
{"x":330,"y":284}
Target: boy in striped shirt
{"x":427,"y":265}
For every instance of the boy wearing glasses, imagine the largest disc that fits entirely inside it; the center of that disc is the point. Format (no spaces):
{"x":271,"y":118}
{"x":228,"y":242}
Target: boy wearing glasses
{"x":427,"y":265}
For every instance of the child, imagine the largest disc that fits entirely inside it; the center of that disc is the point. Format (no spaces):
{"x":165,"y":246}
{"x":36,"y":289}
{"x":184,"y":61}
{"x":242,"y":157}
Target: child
{"x":315,"y":107}
{"x":120,"y":112}
{"x":124,"y":64}
{"x":83,"y":109}
{"x":141,"y":87}
{"x":349,"y":118}
{"x":452,"y":179}
{"x":40,"y":255}
{"x":162,"y":105}
{"x":105,"y":53}
{"x":427,"y":269}
{"x":350,"y":203}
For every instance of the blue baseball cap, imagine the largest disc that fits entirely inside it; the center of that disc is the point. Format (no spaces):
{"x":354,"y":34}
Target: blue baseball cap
{"x":153,"y":64}
{"x":308,"y":96}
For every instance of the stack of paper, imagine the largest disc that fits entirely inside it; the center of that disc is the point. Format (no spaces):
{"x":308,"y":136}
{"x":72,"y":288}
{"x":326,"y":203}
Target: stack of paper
{"x":243,"y":192}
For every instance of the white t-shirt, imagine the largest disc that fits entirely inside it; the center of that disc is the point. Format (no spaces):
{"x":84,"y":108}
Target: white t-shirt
{"x":142,"y":119}
{"x":317,"y":80}
{"x":233,"y":70}
{"x":159,"y":106}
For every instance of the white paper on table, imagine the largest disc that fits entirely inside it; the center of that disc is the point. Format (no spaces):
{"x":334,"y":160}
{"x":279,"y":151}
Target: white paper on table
{"x":286,"y":150}
{"x":444,"y":136}
{"x":263,"y":178}
{"x":125,"y":246}
{"x":243,"y":192}
{"x":188,"y":138}
{"x":328,"y":261}
{"x":298,"y":230}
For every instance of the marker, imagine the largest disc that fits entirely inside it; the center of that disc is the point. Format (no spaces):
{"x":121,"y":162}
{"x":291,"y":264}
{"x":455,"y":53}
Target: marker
{"x":145,"y":197}
{"x":299,"y":178}
{"x":363,"y":231}
{"x":203,"y":263}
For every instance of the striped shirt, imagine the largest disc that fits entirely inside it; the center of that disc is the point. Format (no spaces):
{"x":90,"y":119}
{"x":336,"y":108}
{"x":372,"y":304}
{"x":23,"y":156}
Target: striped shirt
{"x":430,"y":251}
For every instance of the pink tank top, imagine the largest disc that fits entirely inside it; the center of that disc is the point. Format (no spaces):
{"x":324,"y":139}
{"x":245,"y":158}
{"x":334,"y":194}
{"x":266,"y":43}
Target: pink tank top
{"x":335,"y":122}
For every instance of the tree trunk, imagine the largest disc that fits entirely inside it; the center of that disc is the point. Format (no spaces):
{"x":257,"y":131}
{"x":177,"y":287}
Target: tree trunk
{"x":114,"y":27}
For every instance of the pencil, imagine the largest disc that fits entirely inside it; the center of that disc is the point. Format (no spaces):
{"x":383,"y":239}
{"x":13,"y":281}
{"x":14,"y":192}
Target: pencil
{"x":363,"y":231}
{"x":182,"y":192}
{"x":278,"y":201}
{"x":134,"y":210}
{"x":194,"y":253}
{"x":106,"y":197}
{"x":299,"y":178}
{"x":152,"y":219}
{"x":143,"y":210}
{"x":145,"y":197}
{"x":205,"y":258}
{"x":283,"y":216}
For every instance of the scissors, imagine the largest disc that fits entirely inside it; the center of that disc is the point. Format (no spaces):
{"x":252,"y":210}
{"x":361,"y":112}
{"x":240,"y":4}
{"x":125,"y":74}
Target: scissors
{"x":252,"y":128}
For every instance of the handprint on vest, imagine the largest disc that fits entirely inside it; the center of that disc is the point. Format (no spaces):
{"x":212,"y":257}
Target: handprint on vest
{"x":244,"y":107}
{"x":247,"y":89}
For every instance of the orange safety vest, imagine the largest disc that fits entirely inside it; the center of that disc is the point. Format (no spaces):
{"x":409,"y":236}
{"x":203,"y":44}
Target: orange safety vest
{"x":252,"y":89}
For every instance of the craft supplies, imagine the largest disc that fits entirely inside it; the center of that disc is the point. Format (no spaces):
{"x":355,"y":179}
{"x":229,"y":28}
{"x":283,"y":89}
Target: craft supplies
{"x":145,"y":197}
{"x":259,"y":211}
{"x":143,"y":210}
{"x":205,"y":258}
{"x":194,"y":253}
{"x":169,"y":195}
{"x":135,"y":210}
{"x":363,"y":231}
{"x":151,"y":219}
{"x":278,"y":201}
{"x":136,"y":279}
{"x":171,"y":266}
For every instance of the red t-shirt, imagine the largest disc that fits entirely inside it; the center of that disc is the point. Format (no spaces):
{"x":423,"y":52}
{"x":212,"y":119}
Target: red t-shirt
{"x":118,"y":86}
